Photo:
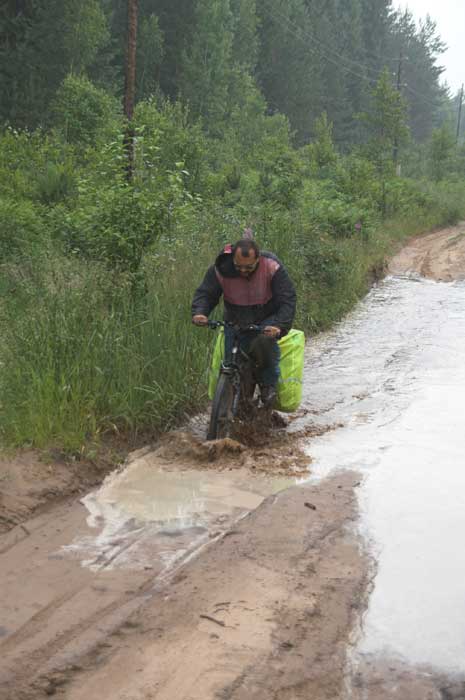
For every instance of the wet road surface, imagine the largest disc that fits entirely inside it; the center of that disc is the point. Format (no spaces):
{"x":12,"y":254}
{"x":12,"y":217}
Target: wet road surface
{"x":394,"y":374}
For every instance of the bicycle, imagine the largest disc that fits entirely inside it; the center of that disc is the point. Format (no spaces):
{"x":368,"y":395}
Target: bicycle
{"x":236,"y":384}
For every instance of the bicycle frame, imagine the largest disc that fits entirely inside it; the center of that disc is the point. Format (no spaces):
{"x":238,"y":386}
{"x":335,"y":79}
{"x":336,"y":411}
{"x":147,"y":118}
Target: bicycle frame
{"x":234,"y":368}
{"x":236,"y":383}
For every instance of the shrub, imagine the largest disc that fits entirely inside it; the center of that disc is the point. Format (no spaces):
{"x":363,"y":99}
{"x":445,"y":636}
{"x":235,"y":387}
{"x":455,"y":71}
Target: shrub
{"x":22,"y":228}
{"x":84,"y":113}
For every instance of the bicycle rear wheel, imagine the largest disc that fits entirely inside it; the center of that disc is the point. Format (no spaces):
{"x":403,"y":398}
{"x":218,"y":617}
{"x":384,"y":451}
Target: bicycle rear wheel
{"x":221,"y":416}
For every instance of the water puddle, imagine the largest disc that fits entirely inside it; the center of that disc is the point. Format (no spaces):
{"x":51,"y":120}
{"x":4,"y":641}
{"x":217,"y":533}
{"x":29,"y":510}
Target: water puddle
{"x":150,"y":517}
{"x":394,"y":374}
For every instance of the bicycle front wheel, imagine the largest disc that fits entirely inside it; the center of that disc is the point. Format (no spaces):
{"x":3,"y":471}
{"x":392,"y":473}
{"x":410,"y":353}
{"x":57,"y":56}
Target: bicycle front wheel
{"x":221,"y":416}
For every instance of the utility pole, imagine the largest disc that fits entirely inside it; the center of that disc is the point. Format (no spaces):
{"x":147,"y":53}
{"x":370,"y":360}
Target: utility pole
{"x":459,"y":120}
{"x":130,"y":86}
{"x":395,"y":153}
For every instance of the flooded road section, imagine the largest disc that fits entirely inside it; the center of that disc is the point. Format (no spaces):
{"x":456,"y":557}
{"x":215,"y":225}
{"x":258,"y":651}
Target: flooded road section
{"x":394,"y":374}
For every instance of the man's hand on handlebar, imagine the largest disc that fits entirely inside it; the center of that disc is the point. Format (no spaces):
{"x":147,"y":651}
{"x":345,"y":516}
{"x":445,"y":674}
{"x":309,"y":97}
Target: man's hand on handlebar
{"x":272,"y":331}
{"x":199,"y":320}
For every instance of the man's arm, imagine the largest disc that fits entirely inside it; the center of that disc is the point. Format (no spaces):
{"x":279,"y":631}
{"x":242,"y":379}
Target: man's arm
{"x":285,"y":299}
{"x":207,"y":295}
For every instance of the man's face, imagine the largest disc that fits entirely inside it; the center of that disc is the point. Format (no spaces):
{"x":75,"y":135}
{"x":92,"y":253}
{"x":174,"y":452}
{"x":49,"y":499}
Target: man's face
{"x":245,"y":265}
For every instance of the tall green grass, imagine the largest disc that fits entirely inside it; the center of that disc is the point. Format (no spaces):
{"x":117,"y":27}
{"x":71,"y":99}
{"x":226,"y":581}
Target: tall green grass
{"x":84,"y":352}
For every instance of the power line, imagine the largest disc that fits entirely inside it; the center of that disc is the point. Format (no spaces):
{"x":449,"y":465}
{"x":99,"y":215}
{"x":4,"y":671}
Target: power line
{"x":425,"y":99}
{"x":338,"y":64}
{"x":312,"y":49}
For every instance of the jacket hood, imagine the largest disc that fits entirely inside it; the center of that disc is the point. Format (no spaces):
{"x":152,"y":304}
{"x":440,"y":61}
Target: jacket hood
{"x":224,"y":262}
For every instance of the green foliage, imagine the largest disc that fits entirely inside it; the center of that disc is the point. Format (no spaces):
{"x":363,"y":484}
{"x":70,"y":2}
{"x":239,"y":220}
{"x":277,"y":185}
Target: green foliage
{"x":83,"y":113}
{"x":207,"y":62}
{"x":287,"y":72}
{"x":442,"y":152}
{"x":305,"y":57}
{"x":87,"y":33}
{"x":245,"y":41}
{"x":386,"y":123}
{"x":322,"y":151}
{"x":150,"y":52}
{"x":329,"y":266}
{"x":118,"y":224}
{"x":25,"y":158}
{"x":22,"y":229}
{"x":40,"y":43}
{"x":357,"y":178}
{"x":82,"y":355}
{"x":55,"y":183}
{"x":167,"y":140}
{"x":280,"y":176}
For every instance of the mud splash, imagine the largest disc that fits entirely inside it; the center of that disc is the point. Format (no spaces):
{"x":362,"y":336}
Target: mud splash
{"x":272,"y":453}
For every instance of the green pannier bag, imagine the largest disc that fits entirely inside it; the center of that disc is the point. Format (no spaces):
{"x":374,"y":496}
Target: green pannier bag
{"x":290,"y":384}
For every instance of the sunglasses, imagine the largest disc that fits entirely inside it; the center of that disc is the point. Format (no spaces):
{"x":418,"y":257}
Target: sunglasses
{"x":246,"y":268}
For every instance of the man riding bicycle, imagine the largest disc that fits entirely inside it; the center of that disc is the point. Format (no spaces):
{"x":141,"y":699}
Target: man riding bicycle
{"x":257,"y":290}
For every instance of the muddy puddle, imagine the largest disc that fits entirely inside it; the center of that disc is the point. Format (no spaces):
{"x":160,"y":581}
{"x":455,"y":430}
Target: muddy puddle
{"x":393,"y":374}
{"x":170,"y":500}
{"x":166,"y":503}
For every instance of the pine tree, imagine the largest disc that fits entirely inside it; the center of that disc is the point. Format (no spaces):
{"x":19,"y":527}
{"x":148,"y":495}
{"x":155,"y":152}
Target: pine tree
{"x":150,"y":51}
{"x":387,"y":125}
{"x":377,"y":17}
{"x":420,"y":48}
{"x":44,"y":41}
{"x":442,"y":152}
{"x":86,"y":33}
{"x":289,"y":72}
{"x":208,"y":61}
{"x":245,"y":36}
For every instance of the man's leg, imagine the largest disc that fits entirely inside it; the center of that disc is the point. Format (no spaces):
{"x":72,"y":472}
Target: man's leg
{"x":245,"y":341}
{"x":228,"y":344}
{"x":269,"y":372}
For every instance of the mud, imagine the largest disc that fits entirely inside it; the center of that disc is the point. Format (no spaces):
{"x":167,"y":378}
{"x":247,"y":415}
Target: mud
{"x":30,"y":481}
{"x":439,"y":256}
{"x":267,"y":451}
{"x":33,"y":481}
{"x":263,"y":613}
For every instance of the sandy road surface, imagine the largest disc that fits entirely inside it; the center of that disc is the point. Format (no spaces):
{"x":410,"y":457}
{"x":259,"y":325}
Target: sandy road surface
{"x":439,"y":256}
{"x":266,"y":611}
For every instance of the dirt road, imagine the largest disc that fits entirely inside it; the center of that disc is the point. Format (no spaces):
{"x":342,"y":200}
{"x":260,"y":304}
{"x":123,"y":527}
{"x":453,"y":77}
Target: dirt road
{"x":439,"y":256}
{"x":245,"y":592}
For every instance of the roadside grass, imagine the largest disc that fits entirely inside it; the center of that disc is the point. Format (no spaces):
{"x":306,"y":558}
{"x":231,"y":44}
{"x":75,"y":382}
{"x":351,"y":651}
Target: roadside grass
{"x":86,"y":352}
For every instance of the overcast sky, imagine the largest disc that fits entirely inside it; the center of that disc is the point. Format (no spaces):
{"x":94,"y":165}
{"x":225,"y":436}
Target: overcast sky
{"x":450,"y":18}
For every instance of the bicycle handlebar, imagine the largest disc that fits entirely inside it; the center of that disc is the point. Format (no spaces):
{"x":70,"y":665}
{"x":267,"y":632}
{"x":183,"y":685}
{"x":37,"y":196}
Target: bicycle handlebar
{"x":241,"y":329}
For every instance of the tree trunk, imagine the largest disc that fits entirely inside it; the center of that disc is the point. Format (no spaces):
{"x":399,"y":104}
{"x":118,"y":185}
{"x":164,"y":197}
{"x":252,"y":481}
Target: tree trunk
{"x":130,"y":88}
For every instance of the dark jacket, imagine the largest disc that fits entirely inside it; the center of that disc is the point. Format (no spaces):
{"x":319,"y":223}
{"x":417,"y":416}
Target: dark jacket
{"x":267,"y":297}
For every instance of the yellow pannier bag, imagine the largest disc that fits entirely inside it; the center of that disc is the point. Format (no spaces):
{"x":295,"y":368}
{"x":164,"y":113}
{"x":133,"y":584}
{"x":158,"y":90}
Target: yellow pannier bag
{"x":290,"y":384}
{"x":291,"y":366}
{"x":217,"y":359}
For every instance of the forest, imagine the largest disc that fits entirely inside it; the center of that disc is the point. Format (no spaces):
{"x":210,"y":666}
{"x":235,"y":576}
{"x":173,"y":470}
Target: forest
{"x":326,"y":126}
